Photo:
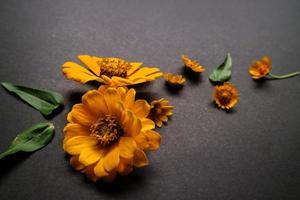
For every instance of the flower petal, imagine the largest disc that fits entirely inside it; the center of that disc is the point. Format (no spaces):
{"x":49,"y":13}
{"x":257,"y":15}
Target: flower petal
{"x":141,"y":108}
{"x":74,"y":162}
{"x":111,"y":97}
{"x":78,"y":73}
{"x":153,"y":139}
{"x":147,"y":124}
{"x":90,"y":63}
{"x":144,"y":72}
{"x":99,"y":169}
{"x":130,"y":98}
{"x":72,"y":130}
{"x":80,"y":115}
{"x":95,"y":102}
{"x":111,"y":159}
{"x":77,"y":144}
{"x":127,"y":147}
{"x":140,"y":159}
{"x":90,"y":155}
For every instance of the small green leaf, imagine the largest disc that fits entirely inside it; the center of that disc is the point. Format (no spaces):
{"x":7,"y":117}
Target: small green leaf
{"x":32,"y":139}
{"x":43,"y":100}
{"x":223,"y":72}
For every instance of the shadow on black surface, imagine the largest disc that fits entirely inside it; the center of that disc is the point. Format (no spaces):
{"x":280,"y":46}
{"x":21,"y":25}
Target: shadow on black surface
{"x":9,"y":163}
{"x":261,"y":83}
{"x":75,"y":96}
{"x":55,"y":112}
{"x":214,"y":105}
{"x":122,"y":184}
{"x":193,"y":77}
{"x":173,"y":89}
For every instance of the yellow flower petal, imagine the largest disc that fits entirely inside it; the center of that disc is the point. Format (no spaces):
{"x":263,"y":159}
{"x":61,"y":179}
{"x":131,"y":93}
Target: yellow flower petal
{"x":78,"y":73}
{"x":153,"y":139}
{"x":90,"y":155}
{"x":145,"y":72}
{"x":141,"y":108}
{"x":99,"y":169}
{"x":125,"y":167}
{"x":140,"y":159}
{"x":77,"y":144}
{"x":72,"y":130}
{"x":147,"y":124}
{"x":111,"y":97}
{"x":90,"y":63}
{"x":127,"y":147}
{"x":111,"y":159}
{"x":95,"y":102}
{"x":80,"y":115}
{"x":130,"y":98}
{"x":74,"y":162}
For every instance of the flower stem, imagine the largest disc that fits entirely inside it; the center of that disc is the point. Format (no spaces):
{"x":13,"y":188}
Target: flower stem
{"x":272,"y":76}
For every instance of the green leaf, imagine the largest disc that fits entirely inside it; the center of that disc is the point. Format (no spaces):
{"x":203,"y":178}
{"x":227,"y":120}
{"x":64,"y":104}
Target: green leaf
{"x":43,"y":100}
{"x":32,"y":139}
{"x":223,"y":72}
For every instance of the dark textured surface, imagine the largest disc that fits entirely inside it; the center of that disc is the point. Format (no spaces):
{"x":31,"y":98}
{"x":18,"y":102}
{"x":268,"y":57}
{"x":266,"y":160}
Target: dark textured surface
{"x":250,"y":153}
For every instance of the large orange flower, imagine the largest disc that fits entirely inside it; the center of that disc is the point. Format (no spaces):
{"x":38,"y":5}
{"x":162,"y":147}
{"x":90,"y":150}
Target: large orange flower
{"x":110,"y":71}
{"x":108,"y":132}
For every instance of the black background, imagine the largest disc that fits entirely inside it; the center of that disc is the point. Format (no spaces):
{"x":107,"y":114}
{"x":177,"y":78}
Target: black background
{"x":250,"y":153}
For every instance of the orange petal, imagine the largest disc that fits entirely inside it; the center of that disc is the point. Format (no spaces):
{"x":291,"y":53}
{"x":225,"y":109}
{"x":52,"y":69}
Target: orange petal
{"x":127,"y":147}
{"x":99,"y":169}
{"x":141,"y":108}
{"x":147,"y":124}
{"x":74,"y":162}
{"x":111,"y":159}
{"x":111,"y":97}
{"x":140,"y":159}
{"x":72,"y":130}
{"x":90,"y":63}
{"x":95,"y":102}
{"x":80,"y":115}
{"x":77,"y":144}
{"x":153,"y":139}
{"x":90,"y":155}
{"x":78,"y":73}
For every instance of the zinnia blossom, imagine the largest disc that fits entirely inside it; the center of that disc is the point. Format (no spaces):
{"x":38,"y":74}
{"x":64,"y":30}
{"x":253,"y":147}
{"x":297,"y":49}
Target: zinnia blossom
{"x":110,"y":71}
{"x":174,"y":79}
{"x":226,"y":96}
{"x":260,"y":68}
{"x":192,"y":64}
{"x":160,"y":111}
{"x":108,"y":133}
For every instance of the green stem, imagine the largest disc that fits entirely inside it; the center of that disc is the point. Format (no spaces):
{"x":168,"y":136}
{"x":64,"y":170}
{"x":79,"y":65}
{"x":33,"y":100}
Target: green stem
{"x":272,"y":76}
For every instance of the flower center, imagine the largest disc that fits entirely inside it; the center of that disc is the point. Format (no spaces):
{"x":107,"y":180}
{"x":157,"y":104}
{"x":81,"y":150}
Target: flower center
{"x":225,"y":97}
{"x":263,"y":70}
{"x":107,"y":130}
{"x":114,"y":67}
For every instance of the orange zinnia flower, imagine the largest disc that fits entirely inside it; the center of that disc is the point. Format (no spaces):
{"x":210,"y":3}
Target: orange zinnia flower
{"x":225,"y":96}
{"x":260,"y":68}
{"x":108,"y":133}
{"x":192,"y":64}
{"x":110,"y":71}
{"x":160,"y":111}
{"x":174,"y":79}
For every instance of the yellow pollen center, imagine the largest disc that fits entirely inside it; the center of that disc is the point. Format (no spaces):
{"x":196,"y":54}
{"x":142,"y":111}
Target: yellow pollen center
{"x":107,"y":130}
{"x":114,"y":67}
